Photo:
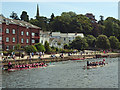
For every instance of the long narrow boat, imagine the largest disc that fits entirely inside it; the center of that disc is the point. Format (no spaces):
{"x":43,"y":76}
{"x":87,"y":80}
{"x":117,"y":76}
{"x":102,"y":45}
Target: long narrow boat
{"x":14,"y":69}
{"x":90,"y":67}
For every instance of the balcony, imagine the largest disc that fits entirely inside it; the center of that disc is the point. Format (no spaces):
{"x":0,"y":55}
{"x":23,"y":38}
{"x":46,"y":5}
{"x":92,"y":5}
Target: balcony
{"x":36,"y":37}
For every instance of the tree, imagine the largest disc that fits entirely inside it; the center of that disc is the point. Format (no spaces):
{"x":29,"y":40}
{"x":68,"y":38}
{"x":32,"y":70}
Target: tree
{"x":101,"y":20}
{"x":52,"y":17}
{"x":24,"y":16}
{"x":71,"y":22}
{"x":66,"y":46}
{"x":114,"y":42}
{"x":47,"y":47}
{"x":59,"y":44}
{"x":91,"y":40}
{"x":18,"y":48}
{"x":79,"y":43}
{"x":14,"y":16}
{"x":30,"y":49}
{"x":42,"y":22}
{"x":40,"y":47}
{"x":102,"y":42}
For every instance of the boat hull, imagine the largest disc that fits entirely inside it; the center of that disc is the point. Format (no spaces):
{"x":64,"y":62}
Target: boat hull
{"x":14,"y":69}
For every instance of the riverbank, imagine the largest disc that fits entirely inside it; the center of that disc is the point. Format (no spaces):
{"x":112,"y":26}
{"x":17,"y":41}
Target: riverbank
{"x":48,"y":58}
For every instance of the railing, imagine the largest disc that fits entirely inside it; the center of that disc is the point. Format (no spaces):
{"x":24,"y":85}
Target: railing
{"x":36,"y":37}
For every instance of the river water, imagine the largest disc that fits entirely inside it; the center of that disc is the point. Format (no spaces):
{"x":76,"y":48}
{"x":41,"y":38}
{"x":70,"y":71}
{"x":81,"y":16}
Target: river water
{"x":66,"y":74}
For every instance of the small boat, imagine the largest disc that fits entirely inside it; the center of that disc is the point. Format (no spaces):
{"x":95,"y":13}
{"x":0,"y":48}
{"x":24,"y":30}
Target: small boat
{"x":78,"y":59}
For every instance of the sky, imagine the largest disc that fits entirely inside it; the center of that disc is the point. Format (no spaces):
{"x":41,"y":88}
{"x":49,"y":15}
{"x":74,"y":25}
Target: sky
{"x":107,"y":9}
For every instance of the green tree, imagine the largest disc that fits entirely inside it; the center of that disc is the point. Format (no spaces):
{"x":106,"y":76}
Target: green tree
{"x":30,"y":49}
{"x":66,"y":46}
{"x":42,"y":22}
{"x":114,"y":42}
{"x":18,"y":48}
{"x":71,"y":22}
{"x":40,"y":47}
{"x":79,"y":43}
{"x":102,"y":42}
{"x":47,"y":47}
{"x":14,"y":16}
{"x":91,"y":40}
{"x":24,"y":16}
{"x":52,"y":17}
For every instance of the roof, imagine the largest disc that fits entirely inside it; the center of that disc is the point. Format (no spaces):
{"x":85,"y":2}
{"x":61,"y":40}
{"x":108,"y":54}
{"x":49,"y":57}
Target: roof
{"x":17,"y":22}
{"x":58,"y":34}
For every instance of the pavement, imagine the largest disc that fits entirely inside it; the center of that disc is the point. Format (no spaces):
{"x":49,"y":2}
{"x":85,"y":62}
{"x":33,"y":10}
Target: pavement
{"x":49,"y":55}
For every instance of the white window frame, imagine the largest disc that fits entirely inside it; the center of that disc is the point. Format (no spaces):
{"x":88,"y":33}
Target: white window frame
{"x":0,"y":30}
{"x":7,"y":47}
{"x":22,"y":33}
{"x":7,"y":30}
{"x":13,"y":39}
{"x":13,"y":47}
{"x":33,"y":41}
{"x":22,"y":40}
{"x":13,"y":31}
{"x":27,"y":33}
{"x":33,"y":34}
{"x":27,"y":40}
{"x":7,"y":39}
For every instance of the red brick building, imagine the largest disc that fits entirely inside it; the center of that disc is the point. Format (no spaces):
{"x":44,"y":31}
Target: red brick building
{"x":14,"y":32}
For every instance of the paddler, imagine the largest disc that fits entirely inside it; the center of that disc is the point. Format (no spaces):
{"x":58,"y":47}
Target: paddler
{"x":88,"y":63}
{"x":9,"y":65}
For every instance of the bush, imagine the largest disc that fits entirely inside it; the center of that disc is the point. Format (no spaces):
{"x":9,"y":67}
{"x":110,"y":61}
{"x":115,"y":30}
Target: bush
{"x":47,"y":47}
{"x":30,"y":49}
{"x":40,"y":47}
{"x":5,"y":53}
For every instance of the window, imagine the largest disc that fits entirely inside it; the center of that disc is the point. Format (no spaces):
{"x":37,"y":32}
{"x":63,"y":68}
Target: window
{"x":22,"y":40}
{"x":7,"y":39}
{"x":64,"y":39}
{"x":27,"y":40}
{"x":0,"y":38}
{"x":42,"y":41}
{"x":27,"y":33}
{"x":13,"y":31}
{"x":7,"y":47}
{"x":7,"y":30}
{"x":22,"y":33}
{"x":0,"y":30}
{"x":13,"y":47}
{"x":33,"y":34}
{"x":13,"y":39}
{"x":33,"y":41}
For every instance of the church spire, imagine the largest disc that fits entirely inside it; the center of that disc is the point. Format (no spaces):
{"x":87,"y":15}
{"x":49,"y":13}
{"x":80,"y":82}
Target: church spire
{"x":37,"y":14}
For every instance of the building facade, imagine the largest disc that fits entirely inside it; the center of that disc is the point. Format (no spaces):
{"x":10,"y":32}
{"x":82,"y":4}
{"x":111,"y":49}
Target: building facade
{"x":58,"y":39}
{"x":17,"y":32}
{"x":44,"y":36}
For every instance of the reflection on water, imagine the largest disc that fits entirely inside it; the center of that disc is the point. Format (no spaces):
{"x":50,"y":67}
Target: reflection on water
{"x":66,"y":74}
